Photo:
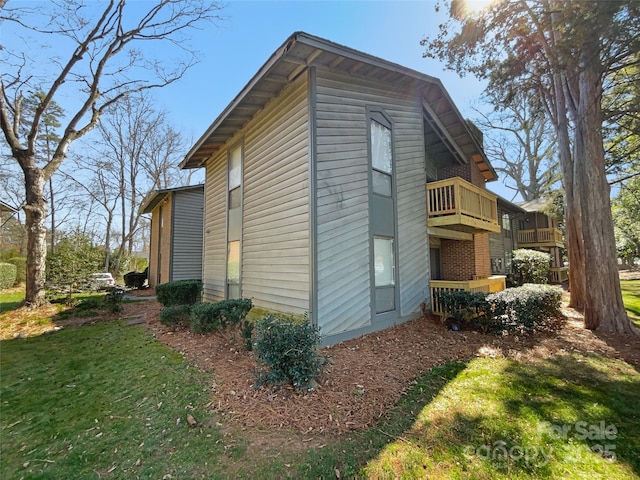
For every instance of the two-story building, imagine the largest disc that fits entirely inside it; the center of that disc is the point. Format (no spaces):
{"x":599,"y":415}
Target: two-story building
{"x":345,"y":186}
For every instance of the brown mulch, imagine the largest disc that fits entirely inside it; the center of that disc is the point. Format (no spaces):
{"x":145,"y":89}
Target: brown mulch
{"x":369,"y":374}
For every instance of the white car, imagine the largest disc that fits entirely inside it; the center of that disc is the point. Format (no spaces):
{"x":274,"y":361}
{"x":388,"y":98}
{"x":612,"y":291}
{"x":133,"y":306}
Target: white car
{"x":100,"y":281}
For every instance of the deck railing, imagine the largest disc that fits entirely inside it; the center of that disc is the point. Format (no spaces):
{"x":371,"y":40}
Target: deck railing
{"x":459,"y":199}
{"x":495,"y":283}
{"x":540,"y":236}
{"x":558,"y":274}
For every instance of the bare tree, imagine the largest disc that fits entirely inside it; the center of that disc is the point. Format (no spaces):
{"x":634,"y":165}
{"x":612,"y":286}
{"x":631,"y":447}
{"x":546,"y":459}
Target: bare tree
{"x":136,"y":151}
{"x":104,"y":64}
{"x":521,"y":143}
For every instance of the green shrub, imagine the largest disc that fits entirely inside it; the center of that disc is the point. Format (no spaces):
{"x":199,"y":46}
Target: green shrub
{"x":524,"y":308}
{"x":462,"y":309}
{"x":514,"y":309}
{"x":212,"y":317}
{"x":180,"y":292}
{"x":7,"y":275}
{"x":175,"y":315}
{"x":531,"y":266}
{"x":286,"y":352}
{"x":21,"y":268}
{"x":114,"y":299}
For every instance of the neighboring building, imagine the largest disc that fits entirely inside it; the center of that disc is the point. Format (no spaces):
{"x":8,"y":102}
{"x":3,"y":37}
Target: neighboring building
{"x":175,"y":251}
{"x":345,"y":186}
{"x":539,"y":231}
{"x":503,"y":243}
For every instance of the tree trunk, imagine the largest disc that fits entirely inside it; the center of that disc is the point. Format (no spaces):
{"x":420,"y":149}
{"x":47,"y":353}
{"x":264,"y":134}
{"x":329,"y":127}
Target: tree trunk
{"x":53,"y":216}
{"x":603,"y":300}
{"x":573,"y":223}
{"x":36,"y":211}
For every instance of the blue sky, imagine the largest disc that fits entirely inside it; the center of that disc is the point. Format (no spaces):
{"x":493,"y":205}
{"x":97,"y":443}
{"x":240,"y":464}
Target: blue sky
{"x":232,"y":51}
{"x":253,"y":30}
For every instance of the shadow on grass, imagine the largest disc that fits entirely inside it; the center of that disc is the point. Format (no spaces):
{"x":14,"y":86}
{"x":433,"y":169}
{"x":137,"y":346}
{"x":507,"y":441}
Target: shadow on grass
{"x":7,"y":306}
{"x":583,"y":399}
{"x":570,"y":416}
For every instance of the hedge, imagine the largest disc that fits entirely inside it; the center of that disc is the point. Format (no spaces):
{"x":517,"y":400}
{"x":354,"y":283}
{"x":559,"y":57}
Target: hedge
{"x":7,"y":275}
{"x":515,"y":309}
{"x":179,"y":292}
{"x":174,"y":315}
{"x":21,"y":268}
{"x":212,"y":317}
{"x":531,"y":266}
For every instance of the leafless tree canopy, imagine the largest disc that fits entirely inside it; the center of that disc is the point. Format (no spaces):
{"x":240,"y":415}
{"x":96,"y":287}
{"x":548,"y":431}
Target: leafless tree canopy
{"x":102,"y":54}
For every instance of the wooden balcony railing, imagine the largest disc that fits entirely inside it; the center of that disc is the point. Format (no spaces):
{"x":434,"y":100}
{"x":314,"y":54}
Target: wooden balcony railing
{"x":558,"y":274}
{"x":541,"y":237}
{"x":454,"y":202}
{"x":495,"y":283}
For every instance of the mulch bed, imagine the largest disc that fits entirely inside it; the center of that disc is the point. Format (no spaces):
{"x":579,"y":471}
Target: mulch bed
{"x":369,"y":374}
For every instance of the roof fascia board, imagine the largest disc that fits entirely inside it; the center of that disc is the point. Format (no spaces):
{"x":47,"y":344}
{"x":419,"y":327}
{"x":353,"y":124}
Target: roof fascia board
{"x":155,"y":197}
{"x":279,"y":53}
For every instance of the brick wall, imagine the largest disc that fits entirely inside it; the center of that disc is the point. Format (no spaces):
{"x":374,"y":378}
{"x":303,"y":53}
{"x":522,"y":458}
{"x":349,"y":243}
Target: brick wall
{"x":482,"y":254}
{"x":465,"y":259}
{"x":457,"y":257}
{"x":471,"y":173}
{"x":450,"y":171}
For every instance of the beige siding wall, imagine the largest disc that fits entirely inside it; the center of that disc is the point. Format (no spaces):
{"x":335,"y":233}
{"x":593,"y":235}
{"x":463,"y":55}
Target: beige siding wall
{"x":215,"y":228}
{"x":344,"y":286}
{"x":160,"y":248}
{"x":275,"y":228}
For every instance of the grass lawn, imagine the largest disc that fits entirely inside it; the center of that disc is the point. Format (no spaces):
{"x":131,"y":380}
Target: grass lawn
{"x":108,"y":401}
{"x":11,"y":301}
{"x":631,"y":299}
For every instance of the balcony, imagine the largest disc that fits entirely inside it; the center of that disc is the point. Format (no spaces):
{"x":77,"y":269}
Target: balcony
{"x":540,"y":237}
{"x":495,"y":283}
{"x":456,"y":204}
{"x":558,"y":274}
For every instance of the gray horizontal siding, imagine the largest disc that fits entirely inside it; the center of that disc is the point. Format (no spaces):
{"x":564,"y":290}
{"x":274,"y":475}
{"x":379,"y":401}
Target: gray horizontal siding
{"x":275,"y":237}
{"x":344,"y":288}
{"x":186,"y":251}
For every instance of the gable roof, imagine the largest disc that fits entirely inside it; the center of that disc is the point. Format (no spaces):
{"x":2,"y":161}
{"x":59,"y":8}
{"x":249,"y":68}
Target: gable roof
{"x":301,"y":51}
{"x":154,"y":197}
{"x":535,"y":205}
{"x":508,"y":204}
{"x":6,"y":206}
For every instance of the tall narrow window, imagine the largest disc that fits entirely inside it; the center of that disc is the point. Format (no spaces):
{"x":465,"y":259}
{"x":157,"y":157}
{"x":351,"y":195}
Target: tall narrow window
{"x":506,"y":222}
{"x":234,"y":223}
{"x":381,"y":158}
{"x":384,"y":265}
{"x":233,"y":262}
{"x":382,"y":215}
{"x":235,"y":177}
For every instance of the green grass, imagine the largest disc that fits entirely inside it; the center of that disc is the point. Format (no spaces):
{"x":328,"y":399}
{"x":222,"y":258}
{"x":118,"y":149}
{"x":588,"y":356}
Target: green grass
{"x":504,"y":419}
{"x":10,"y":301}
{"x":631,"y":299}
{"x":101,"y":399}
